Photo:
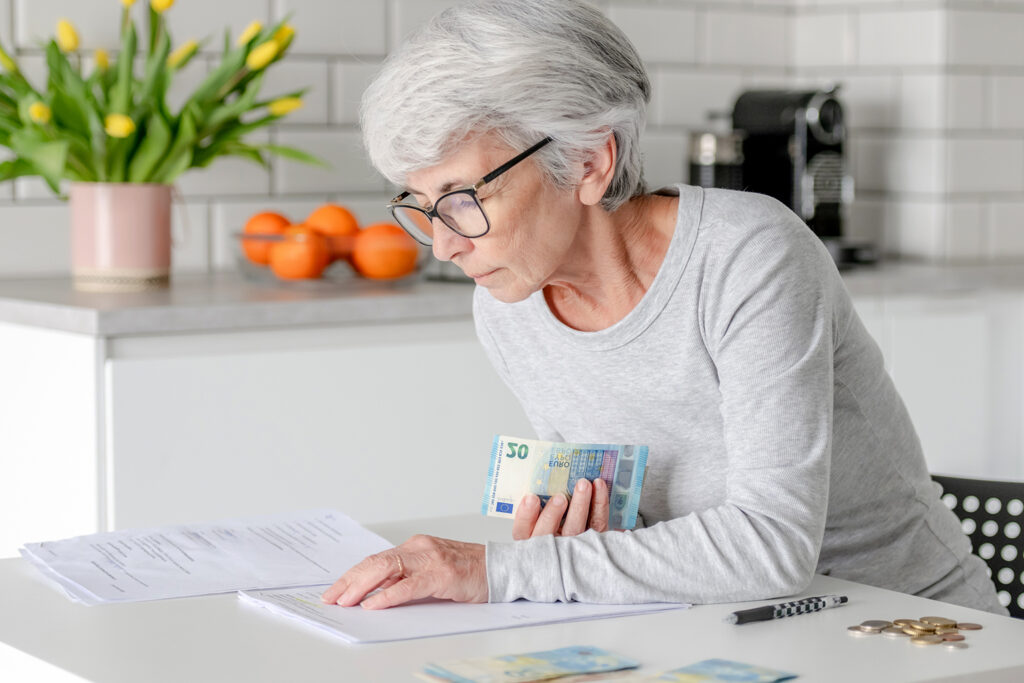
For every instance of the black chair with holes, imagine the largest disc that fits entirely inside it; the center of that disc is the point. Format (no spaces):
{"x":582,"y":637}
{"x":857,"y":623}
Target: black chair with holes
{"x":992,"y":516}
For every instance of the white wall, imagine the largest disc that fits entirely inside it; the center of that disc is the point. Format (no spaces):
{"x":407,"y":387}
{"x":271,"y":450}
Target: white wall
{"x":934,"y":90}
{"x":936,"y":98}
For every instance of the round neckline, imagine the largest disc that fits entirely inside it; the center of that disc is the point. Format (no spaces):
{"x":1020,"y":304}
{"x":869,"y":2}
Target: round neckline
{"x":656,"y":297}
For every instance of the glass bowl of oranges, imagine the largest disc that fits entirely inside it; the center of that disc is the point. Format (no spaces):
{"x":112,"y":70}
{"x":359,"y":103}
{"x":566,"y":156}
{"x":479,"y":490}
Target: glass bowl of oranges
{"x":328,"y":244}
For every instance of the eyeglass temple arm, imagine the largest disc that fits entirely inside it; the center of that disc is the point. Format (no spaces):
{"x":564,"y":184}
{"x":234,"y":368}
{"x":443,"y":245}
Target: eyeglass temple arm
{"x":510,"y":163}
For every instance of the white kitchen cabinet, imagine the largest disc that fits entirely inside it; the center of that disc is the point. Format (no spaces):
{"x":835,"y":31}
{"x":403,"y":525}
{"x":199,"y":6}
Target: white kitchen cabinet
{"x":956,"y":360}
{"x":49,"y":469}
{"x":384,"y":422}
{"x":942,"y":366}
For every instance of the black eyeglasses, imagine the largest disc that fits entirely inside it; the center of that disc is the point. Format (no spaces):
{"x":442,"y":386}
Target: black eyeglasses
{"x":460,"y":209}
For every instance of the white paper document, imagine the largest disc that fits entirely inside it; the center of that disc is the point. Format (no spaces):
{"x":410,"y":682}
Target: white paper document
{"x":427,"y":618}
{"x":287,"y":550}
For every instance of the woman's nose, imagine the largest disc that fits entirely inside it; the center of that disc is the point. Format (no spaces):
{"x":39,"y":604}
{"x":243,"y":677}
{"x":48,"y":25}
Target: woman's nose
{"x":447,"y":242}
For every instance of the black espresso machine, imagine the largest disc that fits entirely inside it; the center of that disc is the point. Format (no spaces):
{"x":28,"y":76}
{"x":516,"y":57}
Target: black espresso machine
{"x":791,"y":145}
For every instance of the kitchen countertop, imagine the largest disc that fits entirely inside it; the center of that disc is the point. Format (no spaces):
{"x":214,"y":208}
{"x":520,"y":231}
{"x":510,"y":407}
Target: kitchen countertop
{"x":227,"y":301}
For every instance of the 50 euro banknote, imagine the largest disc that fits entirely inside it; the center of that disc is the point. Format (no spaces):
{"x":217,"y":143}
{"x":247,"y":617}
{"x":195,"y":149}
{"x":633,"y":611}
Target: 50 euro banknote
{"x":547,"y":468}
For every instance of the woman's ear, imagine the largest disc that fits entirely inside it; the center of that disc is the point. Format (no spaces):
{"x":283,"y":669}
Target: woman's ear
{"x":598,"y":172}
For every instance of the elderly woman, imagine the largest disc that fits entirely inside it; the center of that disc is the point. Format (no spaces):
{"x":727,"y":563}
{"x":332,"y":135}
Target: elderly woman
{"x":710,"y":325}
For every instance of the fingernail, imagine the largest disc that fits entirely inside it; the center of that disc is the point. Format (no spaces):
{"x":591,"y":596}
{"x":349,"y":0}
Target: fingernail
{"x":560,"y":500}
{"x":581,"y":486}
{"x":529,"y":502}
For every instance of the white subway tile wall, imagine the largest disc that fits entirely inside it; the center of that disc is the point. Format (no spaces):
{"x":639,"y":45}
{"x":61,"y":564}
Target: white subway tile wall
{"x":986,"y":38}
{"x":1006,"y":230}
{"x":744,"y":36}
{"x":35,"y":238}
{"x":5,"y":22}
{"x":963,"y":236}
{"x":337,"y":28}
{"x":889,"y":36}
{"x":934,"y":93}
{"x":660,"y":34}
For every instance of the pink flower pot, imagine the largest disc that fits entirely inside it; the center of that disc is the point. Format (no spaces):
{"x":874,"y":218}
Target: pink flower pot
{"x":120,"y":236}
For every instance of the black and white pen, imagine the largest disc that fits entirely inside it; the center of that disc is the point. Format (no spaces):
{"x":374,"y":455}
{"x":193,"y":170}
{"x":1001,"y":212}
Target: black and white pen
{"x":786,"y":609}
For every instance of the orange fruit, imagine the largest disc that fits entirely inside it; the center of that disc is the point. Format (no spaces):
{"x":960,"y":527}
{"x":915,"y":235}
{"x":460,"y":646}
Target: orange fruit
{"x":384,"y":251}
{"x":264,"y":223}
{"x":302,"y":256}
{"x":338,"y":224}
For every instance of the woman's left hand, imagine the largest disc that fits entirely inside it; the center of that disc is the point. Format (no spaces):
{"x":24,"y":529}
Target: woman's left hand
{"x":422,"y":567}
{"x":588,"y":509}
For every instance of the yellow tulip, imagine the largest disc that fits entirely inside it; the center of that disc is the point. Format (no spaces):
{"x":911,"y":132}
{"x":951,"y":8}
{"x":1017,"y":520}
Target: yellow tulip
{"x":284,"y":105}
{"x":262,"y":55}
{"x":250,"y":32}
{"x":102,"y":59}
{"x":161,"y":6}
{"x":119,"y":125}
{"x":40,"y":113}
{"x":182,"y":53}
{"x":284,"y":35}
{"x":127,"y":3}
{"x":67,"y":36}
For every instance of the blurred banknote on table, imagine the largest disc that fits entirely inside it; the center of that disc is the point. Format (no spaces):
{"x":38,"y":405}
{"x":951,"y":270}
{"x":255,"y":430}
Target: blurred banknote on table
{"x":546,"y":468}
{"x":530,"y":666}
{"x":711,"y":670}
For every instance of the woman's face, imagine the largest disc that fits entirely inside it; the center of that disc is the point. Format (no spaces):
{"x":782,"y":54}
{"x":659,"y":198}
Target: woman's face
{"x":533,"y":223}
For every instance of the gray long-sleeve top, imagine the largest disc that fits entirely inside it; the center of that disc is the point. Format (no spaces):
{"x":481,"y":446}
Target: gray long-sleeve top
{"x":779,"y":446}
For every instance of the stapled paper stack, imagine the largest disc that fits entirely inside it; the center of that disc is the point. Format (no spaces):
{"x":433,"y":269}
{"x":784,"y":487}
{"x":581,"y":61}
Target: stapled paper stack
{"x":281,"y":551}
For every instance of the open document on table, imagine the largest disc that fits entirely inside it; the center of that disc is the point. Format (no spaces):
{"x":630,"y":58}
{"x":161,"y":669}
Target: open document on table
{"x":286,"y":550}
{"x":428,"y":618}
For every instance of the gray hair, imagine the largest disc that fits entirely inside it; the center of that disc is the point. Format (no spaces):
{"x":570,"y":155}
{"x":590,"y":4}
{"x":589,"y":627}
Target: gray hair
{"x":522,"y":69}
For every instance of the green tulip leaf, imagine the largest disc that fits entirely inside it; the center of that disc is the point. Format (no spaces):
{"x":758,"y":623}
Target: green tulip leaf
{"x":70,"y":113}
{"x":155,"y":141}
{"x":16,"y":168}
{"x":49,"y":157}
{"x":121,"y":92}
{"x":294,"y":154}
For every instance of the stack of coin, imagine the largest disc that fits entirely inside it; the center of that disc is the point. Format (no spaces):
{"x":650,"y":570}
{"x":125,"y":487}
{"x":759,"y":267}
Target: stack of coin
{"x":923,"y":631}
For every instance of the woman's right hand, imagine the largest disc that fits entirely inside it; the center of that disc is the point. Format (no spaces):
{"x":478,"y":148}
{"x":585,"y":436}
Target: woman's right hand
{"x":587,"y":510}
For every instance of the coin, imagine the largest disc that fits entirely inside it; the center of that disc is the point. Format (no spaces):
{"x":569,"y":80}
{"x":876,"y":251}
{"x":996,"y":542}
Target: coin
{"x":894,"y":632}
{"x":956,"y":646}
{"x":938,"y":621}
{"x":858,"y":631}
{"x":952,"y":637}
{"x":876,"y":624}
{"x":903,"y":622}
{"x":921,"y":626}
{"x":926,"y":640}
{"x":911,"y":631}
{"x":942,"y":630}
{"x":967,"y":626}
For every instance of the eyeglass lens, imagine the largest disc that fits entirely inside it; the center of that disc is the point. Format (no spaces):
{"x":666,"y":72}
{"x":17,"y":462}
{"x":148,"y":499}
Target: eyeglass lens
{"x":459,"y":211}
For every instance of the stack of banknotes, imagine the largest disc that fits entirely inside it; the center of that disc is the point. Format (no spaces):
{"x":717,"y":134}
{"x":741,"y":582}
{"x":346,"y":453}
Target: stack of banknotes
{"x":546,"y":468}
{"x":582,"y":663}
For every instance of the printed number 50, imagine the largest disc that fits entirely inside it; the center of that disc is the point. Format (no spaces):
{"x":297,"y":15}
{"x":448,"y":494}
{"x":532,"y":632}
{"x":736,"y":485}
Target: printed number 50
{"x":522,"y":452}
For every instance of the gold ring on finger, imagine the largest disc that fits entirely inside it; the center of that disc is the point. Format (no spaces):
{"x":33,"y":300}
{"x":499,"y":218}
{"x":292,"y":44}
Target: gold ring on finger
{"x":401,"y":566}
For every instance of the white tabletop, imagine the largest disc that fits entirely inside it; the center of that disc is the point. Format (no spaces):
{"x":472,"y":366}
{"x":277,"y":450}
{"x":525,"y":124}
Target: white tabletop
{"x":219,"y":638}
